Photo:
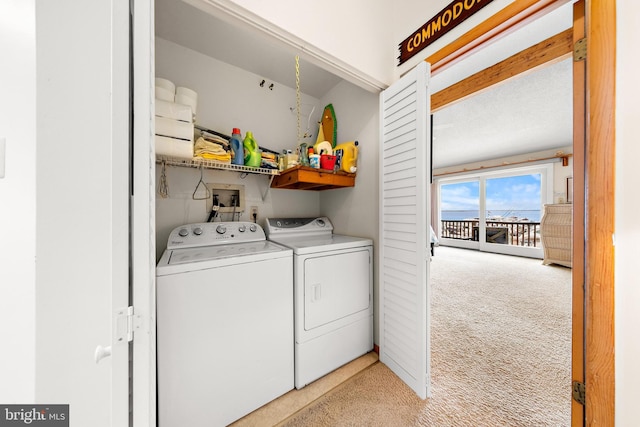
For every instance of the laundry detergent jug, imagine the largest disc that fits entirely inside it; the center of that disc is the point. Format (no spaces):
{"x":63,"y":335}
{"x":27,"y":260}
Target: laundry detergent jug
{"x":349,"y":156}
{"x":252,"y":155}
{"x":237,"y":147}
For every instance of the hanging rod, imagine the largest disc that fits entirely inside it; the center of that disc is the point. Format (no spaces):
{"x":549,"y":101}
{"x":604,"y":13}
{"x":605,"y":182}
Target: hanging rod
{"x":204,"y":129}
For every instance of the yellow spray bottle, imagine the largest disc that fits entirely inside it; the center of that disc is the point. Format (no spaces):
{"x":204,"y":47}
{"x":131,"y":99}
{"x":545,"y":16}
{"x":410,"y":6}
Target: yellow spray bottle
{"x":349,"y":156}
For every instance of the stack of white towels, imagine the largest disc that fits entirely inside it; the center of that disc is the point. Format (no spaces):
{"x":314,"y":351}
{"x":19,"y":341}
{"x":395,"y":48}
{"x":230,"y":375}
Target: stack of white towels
{"x":175,"y":117}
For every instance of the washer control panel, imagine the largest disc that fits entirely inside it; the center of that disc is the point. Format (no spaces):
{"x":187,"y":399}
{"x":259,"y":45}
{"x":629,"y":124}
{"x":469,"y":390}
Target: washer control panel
{"x":214,"y":233}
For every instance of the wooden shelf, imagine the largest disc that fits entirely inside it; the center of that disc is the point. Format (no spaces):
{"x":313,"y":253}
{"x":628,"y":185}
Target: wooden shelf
{"x":306,"y":178}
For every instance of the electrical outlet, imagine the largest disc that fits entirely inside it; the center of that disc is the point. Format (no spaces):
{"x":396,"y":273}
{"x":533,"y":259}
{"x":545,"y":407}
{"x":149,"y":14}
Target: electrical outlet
{"x":254,"y":211}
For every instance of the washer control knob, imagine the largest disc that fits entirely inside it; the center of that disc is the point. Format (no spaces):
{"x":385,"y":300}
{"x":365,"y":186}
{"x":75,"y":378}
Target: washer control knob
{"x":221,"y":229}
{"x":242,"y":228}
{"x":183,"y":232}
{"x":253,"y":228}
{"x":320,"y":222}
{"x":197,"y":231}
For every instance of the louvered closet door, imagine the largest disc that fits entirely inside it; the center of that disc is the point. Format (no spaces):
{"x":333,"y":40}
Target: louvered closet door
{"x":404,"y":215}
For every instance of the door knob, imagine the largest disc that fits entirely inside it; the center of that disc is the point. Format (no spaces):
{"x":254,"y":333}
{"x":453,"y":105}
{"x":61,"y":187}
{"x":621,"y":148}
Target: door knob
{"x":102,"y":352}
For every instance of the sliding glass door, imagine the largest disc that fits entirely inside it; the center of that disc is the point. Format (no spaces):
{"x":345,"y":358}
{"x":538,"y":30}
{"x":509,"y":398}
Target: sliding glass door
{"x":495,"y":211}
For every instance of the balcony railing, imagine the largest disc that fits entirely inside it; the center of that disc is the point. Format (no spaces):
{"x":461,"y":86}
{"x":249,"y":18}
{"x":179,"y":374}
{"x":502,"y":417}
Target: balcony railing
{"x":518,"y":233}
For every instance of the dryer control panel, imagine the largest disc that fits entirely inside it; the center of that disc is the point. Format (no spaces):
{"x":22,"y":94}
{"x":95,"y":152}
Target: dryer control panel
{"x":298,"y":226}
{"x":214,"y":233}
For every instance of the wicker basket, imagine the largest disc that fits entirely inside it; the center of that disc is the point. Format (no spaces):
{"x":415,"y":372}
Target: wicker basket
{"x":556,"y":232}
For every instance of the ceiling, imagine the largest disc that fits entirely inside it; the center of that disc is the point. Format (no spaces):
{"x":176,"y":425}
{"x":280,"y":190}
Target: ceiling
{"x":243,"y":47}
{"x":529,"y":113}
{"x":526,"y":114}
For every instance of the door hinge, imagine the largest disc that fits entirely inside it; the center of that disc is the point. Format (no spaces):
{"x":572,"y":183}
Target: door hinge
{"x":127,"y":323}
{"x":579,"y":392}
{"x":580,"y":50}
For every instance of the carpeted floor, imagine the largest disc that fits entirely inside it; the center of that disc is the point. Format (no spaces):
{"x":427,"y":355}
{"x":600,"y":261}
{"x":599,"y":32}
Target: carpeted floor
{"x":501,"y":352}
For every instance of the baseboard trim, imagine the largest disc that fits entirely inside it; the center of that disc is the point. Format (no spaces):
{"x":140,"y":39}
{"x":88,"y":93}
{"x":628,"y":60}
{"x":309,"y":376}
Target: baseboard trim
{"x":279,"y":410}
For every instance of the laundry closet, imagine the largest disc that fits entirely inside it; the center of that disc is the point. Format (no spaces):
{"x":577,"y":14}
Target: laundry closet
{"x":260,"y":99}
{"x":217,"y":275}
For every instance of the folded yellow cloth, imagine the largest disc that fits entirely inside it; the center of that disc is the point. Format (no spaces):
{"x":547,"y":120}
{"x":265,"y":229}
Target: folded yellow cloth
{"x":211,"y":151}
{"x":226,"y":158}
{"x":208,"y":147}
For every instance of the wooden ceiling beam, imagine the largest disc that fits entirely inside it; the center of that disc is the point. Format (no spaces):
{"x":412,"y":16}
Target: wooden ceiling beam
{"x":549,"y":51}
{"x":507,"y":20}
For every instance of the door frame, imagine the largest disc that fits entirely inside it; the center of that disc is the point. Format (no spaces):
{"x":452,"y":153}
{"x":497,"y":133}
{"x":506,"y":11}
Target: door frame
{"x":142,"y":194}
{"x":593,"y":226}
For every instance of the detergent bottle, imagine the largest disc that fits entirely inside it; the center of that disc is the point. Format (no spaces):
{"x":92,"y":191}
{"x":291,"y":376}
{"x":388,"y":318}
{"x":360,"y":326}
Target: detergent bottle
{"x":349,"y":156}
{"x":237,"y":147}
{"x":252,"y":156}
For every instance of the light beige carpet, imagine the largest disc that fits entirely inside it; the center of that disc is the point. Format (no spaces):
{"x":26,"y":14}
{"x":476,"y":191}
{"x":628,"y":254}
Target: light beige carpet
{"x":501,"y":352}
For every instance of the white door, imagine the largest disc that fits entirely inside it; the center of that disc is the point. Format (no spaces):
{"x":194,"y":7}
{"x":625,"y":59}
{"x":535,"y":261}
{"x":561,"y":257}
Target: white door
{"x":82,"y":209}
{"x":404,"y":230}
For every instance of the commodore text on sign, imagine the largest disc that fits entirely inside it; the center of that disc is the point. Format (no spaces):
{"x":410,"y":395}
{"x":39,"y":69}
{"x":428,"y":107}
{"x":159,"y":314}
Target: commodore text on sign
{"x":446,"y":20}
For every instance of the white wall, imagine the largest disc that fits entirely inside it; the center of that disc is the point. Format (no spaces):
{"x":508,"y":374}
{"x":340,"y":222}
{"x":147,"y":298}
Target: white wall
{"x":627,"y":206}
{"x":17,"y":198}
{"x":230,"y":97}
{"x":356,"y":32}
{"x":560,"y":175}
{"x":179,"y":208}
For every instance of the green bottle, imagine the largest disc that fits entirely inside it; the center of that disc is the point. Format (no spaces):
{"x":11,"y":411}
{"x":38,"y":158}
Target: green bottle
{"x":252,"y":155}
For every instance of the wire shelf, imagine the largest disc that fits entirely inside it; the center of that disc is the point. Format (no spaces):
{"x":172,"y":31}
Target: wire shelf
{"x":212,"y":164}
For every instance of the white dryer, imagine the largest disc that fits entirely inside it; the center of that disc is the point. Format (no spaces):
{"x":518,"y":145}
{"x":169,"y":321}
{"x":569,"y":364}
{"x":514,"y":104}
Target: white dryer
{"x":224,"y":323}
{"x":333,"y":293}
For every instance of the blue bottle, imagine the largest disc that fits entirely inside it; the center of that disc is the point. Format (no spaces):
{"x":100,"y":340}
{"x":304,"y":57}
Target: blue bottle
{"x":237,"y":147}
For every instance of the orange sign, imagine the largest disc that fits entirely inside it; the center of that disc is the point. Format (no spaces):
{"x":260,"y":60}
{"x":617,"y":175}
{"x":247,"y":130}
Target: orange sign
{"x":446,"y":20}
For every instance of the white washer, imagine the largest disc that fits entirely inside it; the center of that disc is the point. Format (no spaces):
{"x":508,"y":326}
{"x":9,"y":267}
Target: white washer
{"x":333,"y":292}
{"x":224,"y":323}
